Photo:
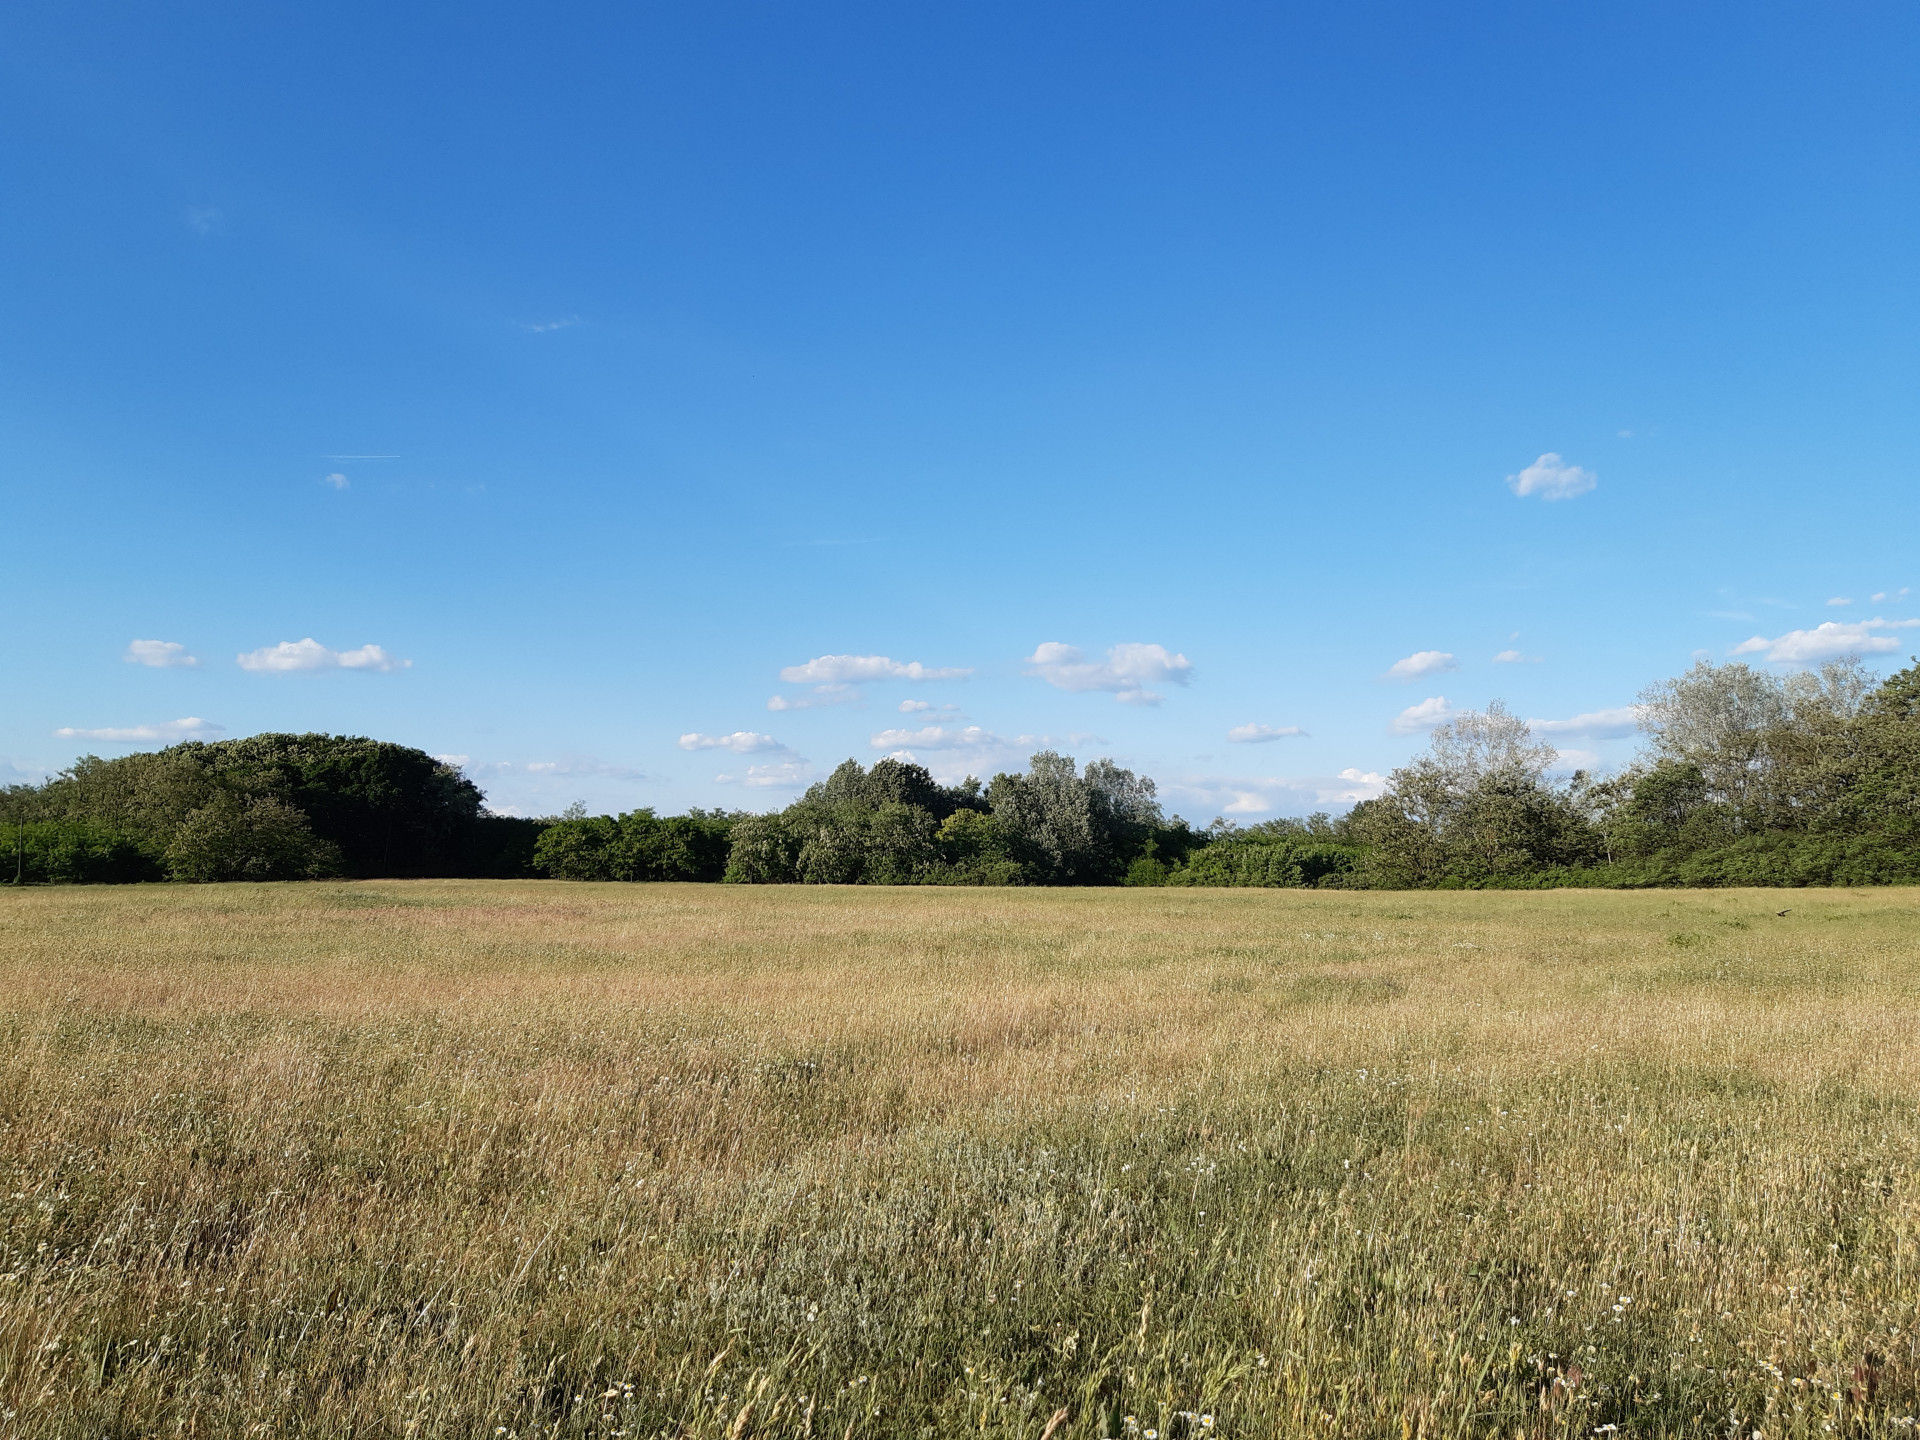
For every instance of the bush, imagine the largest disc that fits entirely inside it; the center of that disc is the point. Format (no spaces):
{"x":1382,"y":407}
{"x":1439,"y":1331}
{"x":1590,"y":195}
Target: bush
{"x":635,"y":846}
{"x":74,"y":852}
{"x":240,"y":837}
{"x":1287,"y":864}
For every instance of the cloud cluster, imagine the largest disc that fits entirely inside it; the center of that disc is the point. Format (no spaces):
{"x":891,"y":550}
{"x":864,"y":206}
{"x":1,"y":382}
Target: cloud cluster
{"x":821,"y":696}
{"x":859,"y":669}
{"x":834,"y":678}
{"x":168,"y":732}
{"x":1127,"y":671}
{"x":1551,"y":478}
{"x":1514,"y":657}
{"x":310,"y":654}
{"x":581,"y":766}
{"x":1260,"y":734}
{"x":160,"y":655}
{"x":938,"y":737}
{"x":1252,"y":796}
{"x":1428,"y":714}
{"x":779,"y":775}
{"x":740,"y":742}
{"x":1594,"y":725}
{"x":1826,"y":641}
{"x":1421,"y":664}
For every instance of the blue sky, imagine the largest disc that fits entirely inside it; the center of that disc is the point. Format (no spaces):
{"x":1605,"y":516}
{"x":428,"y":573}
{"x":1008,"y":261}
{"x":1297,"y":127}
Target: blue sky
{"x":1134,"y":379}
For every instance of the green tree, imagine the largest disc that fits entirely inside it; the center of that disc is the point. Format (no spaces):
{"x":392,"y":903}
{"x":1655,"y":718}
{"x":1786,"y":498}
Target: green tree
{"x":236,"y":837}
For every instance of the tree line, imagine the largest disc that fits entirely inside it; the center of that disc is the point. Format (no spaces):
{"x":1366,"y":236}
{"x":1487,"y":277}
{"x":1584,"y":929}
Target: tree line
{"x":1746,"y":778}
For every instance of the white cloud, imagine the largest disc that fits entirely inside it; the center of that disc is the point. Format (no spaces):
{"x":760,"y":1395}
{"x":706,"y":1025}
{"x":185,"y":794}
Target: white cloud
{"x":576,"y":766}
{"x":310,"y":654}
{"x":1595,"y":724}
{"x":458,"y":762}
{"x":1551,"y":478}
{"x":1880,"y":595}
{"x":1127,"y":671}
{"x":1825,"y":641}
{"x":781,"y":775}
{"x":336,"y":480}
{"x":169,"y":732}
{"x":741,"y":742}
{"x":915,"y":707}
{"x":1422,"y":663}
{"x":821,"y":696}
{"x":1260,"y":734}
{"x":1514,"y":657}
{"x":858,"y":669}
{"x":542,"y":327}
{"x":939,"y":737}
{"x":1432,"y":711}
{"x":1271,"y":794}
{"x":160,"y":655}
{"x":1844,"y":600}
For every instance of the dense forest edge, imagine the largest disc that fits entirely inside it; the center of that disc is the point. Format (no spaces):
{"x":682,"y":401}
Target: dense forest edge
{"x":1746,"y":778}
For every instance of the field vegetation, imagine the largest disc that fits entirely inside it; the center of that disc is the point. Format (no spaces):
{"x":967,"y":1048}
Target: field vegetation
{"x":455,"y":1158}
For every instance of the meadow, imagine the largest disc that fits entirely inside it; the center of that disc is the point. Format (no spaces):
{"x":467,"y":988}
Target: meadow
{"x":469,"y":1158}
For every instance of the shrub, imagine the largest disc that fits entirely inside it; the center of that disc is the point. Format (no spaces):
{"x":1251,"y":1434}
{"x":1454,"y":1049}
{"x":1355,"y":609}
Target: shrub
{"x":239,"y":837}
{"x":74,"y":852}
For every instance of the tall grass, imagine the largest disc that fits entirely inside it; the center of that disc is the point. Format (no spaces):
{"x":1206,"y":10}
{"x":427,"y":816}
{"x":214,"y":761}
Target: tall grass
{"x":469,"y":1158}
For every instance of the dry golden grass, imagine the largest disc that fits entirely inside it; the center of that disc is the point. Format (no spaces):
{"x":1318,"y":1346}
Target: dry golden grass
{"x":465,"y":1158}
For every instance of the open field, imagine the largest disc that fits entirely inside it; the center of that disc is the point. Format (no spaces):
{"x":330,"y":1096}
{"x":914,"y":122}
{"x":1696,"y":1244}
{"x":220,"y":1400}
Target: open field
{"x":470,"y":1158}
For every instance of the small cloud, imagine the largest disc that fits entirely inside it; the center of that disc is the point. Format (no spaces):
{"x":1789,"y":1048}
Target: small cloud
{"x":541,"y":327}
{"x":458,"y":762}
{"x":160,"y":655}
{"x":1422,"y":663}
{"x":741,"y":742}
{"x":336,"y":480}
{"x":858,"y":669}
{"x":1595,"y":724}
{"x":782,"y":775}
{"x":1842,"y":600}
{"x":167,"y":732}
{"x":1260,"y":734}
{"x":1889,"y":594}
{"x":1624,"y":434}
{"x":938,"y":737}
{"x":915,"y":707}
{"x":1432,"y":711}
{"x":1274,"y":794}
{"x":577,"y":766}
{"x":1127,"y":671}
{"x":310,"y":654}
{"x":1826,"y":641}
{"x":1514,"y":657}
{"x":820,"y":697}
{"x":1551,"y":478}
{"x":203,"y":219}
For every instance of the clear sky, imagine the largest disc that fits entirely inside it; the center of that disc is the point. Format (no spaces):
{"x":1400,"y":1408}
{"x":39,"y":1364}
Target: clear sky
{"x":537,"y":384}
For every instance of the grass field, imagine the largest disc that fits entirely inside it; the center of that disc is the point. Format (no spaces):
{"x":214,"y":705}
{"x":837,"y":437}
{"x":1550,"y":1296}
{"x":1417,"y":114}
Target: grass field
{"x":473,"y":1159}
